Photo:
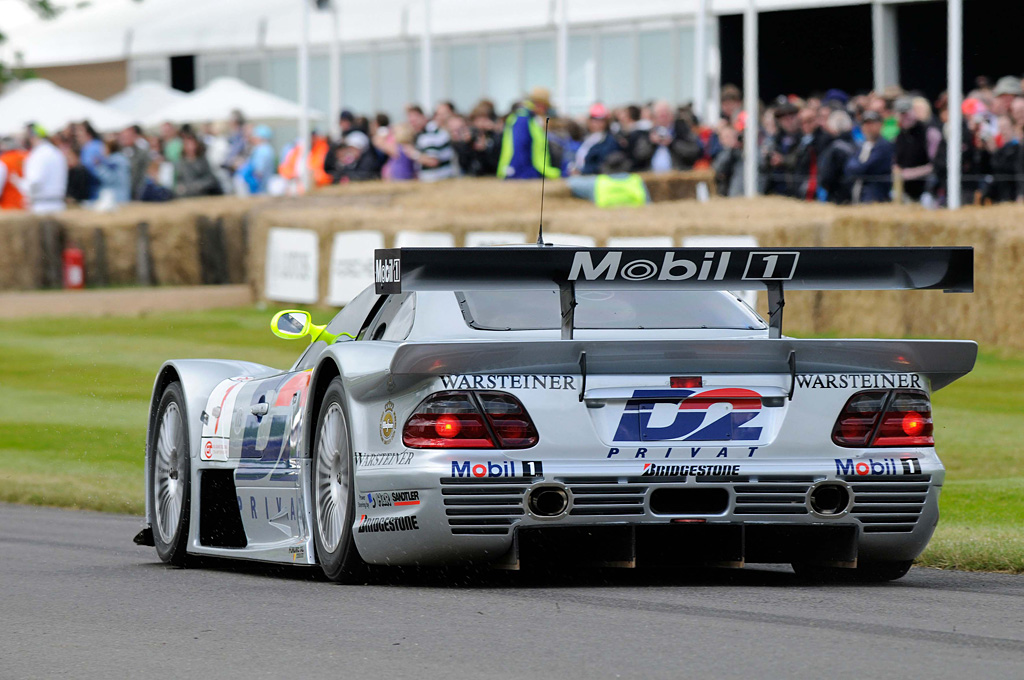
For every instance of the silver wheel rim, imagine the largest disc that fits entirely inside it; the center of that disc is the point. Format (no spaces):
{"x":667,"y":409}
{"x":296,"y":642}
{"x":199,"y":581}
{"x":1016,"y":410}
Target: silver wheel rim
{"x":332,"y":461}
{"x":169,"y":472}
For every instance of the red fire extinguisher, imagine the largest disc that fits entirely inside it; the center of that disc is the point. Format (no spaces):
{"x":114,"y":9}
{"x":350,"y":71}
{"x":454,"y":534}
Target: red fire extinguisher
{"x":74,"y":268}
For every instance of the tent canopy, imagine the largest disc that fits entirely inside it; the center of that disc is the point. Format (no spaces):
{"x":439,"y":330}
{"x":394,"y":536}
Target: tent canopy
{"x":53,"y":107}
{"x":216,"y":101}
{"x":144,"y":98}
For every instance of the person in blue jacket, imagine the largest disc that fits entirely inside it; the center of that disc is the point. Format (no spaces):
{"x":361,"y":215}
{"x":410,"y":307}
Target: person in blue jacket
{"x":598,"y":145}
{"x":522,"y":144}
{"x":871,"y":167}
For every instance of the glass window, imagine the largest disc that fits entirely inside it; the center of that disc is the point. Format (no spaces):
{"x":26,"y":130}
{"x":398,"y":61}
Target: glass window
{"x":617,"y":73}
{"x":281,"y":72}
{"x":358,"y":93}
{"x":154,"y":73}
{"x":686,"y":47}
{"x":607,"y":308}
{"x":352,"y":317}
{"x":319,"y":85}
{"x":464,"y":71}
{"x":539,"y":63}
{"x":656,"y":65}
{"x":250,"y":71}
{"x":393,"y":83}
{"x":582,"y":71}
{"x":215,"y":69}
{"x":503,"y":74}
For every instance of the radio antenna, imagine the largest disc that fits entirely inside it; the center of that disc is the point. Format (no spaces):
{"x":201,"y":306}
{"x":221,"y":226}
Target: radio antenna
{"x":543,"y":176}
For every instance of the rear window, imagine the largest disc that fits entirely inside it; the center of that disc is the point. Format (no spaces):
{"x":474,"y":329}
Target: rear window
{"x":524,"y":310}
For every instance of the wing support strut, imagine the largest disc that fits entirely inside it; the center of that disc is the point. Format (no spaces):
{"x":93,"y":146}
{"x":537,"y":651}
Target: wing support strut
{"x":776,"y":301}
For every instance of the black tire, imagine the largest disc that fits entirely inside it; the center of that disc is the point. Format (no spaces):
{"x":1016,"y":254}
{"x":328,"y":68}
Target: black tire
{"x":865,"y":572}
{"x":170,"y":481}
{"x":333,"y":491}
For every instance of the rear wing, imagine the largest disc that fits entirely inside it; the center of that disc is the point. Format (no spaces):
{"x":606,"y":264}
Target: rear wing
{"x":941,"y":361}
{"x":947,"y":269}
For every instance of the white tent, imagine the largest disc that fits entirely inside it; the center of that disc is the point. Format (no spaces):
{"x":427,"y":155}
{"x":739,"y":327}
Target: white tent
{"x":216,"y":101}
{"x":144,"y":98}
{"x":42,"y":102}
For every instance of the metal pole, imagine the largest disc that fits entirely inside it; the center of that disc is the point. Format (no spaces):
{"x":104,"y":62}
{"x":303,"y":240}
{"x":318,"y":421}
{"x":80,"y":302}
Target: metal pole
{"x":955,"y":87}
{"x":878,"y":45}
{"x":334,"y":73}
{"x":303,"y":169}
{"x":700,"y":51}
{"x":750,"y":96}
{"x":563,"y":56}
{"x":427,"y":69}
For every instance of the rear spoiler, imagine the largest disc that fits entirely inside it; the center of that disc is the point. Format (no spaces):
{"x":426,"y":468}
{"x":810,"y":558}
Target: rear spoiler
{"x":941,"y":361}
{"x":404,"y":269}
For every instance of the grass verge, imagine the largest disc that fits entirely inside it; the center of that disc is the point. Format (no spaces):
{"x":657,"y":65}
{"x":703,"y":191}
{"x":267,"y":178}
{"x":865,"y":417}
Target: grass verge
{"x":74,"y":396}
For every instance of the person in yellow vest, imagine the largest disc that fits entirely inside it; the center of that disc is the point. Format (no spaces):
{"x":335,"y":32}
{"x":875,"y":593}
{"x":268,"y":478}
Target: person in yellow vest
{"x":12,"y":158}
{"x":522,"y":144}
{"x":611,"y":189}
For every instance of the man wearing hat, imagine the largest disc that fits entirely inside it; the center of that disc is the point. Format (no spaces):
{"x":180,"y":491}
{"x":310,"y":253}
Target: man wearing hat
{"x":871,"y":167}
{"x":598,"y":145}
{"x":523,"y":153}
{"x":778,"y":165}
{"x":46,"y":173}
{"x":355,"y":159}
{"x":1006,"y":90}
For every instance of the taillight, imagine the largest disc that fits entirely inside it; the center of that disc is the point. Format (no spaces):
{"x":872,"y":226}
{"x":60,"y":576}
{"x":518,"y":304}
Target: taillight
{"x":885,"y":418}
{"x":470,"y":420}
{"x":685,"y":382}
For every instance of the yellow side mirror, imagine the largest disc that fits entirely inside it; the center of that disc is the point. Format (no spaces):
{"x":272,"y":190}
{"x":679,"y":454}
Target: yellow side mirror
{"x":292,"y":324}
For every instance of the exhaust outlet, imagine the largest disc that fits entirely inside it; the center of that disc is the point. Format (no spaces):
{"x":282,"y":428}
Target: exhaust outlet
{"x":830,"y":499}
{"x":548,"y":501}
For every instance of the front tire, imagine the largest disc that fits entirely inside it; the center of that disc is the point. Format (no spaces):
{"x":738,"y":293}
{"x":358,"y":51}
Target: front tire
{"x":170,"y":472}
{"x":334,"y":491}
{"x":865,"y":572}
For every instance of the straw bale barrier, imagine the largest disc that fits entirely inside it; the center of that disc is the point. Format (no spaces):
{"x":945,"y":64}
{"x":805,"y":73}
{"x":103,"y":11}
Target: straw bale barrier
{"x":223,"y":240}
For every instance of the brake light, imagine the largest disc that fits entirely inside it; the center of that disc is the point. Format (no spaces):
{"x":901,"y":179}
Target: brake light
{"x":885,"y":418}
{"x":470,"y":420}
{"x":679,"y":382}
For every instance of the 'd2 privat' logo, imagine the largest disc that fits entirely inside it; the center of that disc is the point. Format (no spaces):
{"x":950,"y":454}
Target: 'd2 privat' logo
{"x":685,"y":415}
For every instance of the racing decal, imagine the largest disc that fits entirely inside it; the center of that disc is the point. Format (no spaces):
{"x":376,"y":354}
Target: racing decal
{"x":269,"y":428}
{"x":843,"y":381}
{"x":760,"y":266}
{"x":387,"y":271}
{"x":379,"y":524}
{"x":215,"y":448}
{"x":388,"y":499}
{"x":655,"y":470}
{"x":367,"y":460}
{"x":297,"y":552}
{"x":885,"y":466}
{"x":507,"y":382}
{"x":220,"y":406}
{"x":688,"y":415}
{"x":295,"y":387}
{"x":388,"y":423}
{"x":467,"y":468}
{"x":272,"y":508}
{"x":684,"y":451}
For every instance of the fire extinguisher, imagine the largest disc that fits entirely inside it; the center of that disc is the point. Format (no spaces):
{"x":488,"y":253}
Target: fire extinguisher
{"x":74,"y":268}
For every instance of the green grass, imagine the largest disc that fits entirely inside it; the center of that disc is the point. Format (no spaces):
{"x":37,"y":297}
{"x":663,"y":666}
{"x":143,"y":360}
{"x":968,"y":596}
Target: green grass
{"x":74,"y":395}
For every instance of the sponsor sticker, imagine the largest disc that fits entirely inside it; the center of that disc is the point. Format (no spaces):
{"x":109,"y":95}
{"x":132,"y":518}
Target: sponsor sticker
{"x":683,"y":452}
{"x":297,"y":553}
{"x":509,"y":382}
{"x":388,"y":524}
{"x":215,"y":448}
{"x":388,"y":499}
{"x":388,"y":423}
{"x":368,"y":460}
{"x":491,"y":469}
{"x":688,"y":415}
{"x":883,"y":466}
{"x":857,"y":381}
{"x":683,"y":471}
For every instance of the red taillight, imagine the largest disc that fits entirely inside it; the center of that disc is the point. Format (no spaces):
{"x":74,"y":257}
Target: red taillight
{"x":679,"y":382}
{"x":907,"y":420}
{"x":467,"y":420}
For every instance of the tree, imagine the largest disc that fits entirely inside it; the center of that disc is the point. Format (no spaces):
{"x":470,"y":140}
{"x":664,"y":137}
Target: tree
{"x":46,"y":10}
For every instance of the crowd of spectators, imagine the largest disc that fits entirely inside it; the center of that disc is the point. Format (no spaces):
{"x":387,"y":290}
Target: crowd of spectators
{"x":865,"y":148}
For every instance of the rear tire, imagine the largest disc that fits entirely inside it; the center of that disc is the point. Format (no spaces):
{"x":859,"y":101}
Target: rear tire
{"x":333,"y":491}
{"x":865,"y":572}
{"x":170,"y":484}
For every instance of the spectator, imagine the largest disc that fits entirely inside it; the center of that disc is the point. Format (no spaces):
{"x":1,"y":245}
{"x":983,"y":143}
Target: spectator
{"x":92,"y":151}
{"x":732,"y":102}
{"x":136,"y":149}
{"x":259,"y":166}
{"x":238,"y":142}
{"x":1006,"y":90}
{"x":911,"y":154}
{"x":670,"y":145}
{"x":870,"y":168}
{"x":728,"y":163}
{"x":779,"y":158}
{"x":46,"y":173}
{"x":523,"y":144}
{"x":833,"y":182}
{"x":81,"y":184}
{"x":115,"y":173}
{"x":433,"y":145}
{"x":12,"y":162}
{"x":316,"y":159}
{"x":598,"y":145}
{"x":634,"y":129}
{"x":194,"y":176}
{"x":1006,"y":162}
{"x":170,"y":143}
{"x":486,"y":141}
{"x":813,"y":142}
{"x":400,"y":166}
{"x":356,"y":160}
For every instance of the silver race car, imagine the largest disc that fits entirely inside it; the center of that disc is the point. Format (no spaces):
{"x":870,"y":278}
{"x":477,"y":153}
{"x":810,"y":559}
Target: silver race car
{"x":525,"y":404}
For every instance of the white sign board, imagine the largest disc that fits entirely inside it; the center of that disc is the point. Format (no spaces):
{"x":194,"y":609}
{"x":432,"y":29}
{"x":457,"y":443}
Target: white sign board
{"x":424,"y":239}
{"x":580,"y":240}
{"x":494,"y":238}
{"x":748,"y":296}
{"x":293,"y":265}
{"x":351,"y":264}
{"x":640,"y":242}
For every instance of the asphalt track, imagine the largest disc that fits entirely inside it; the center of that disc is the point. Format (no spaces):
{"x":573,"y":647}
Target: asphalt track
{"x":78,"y":599}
